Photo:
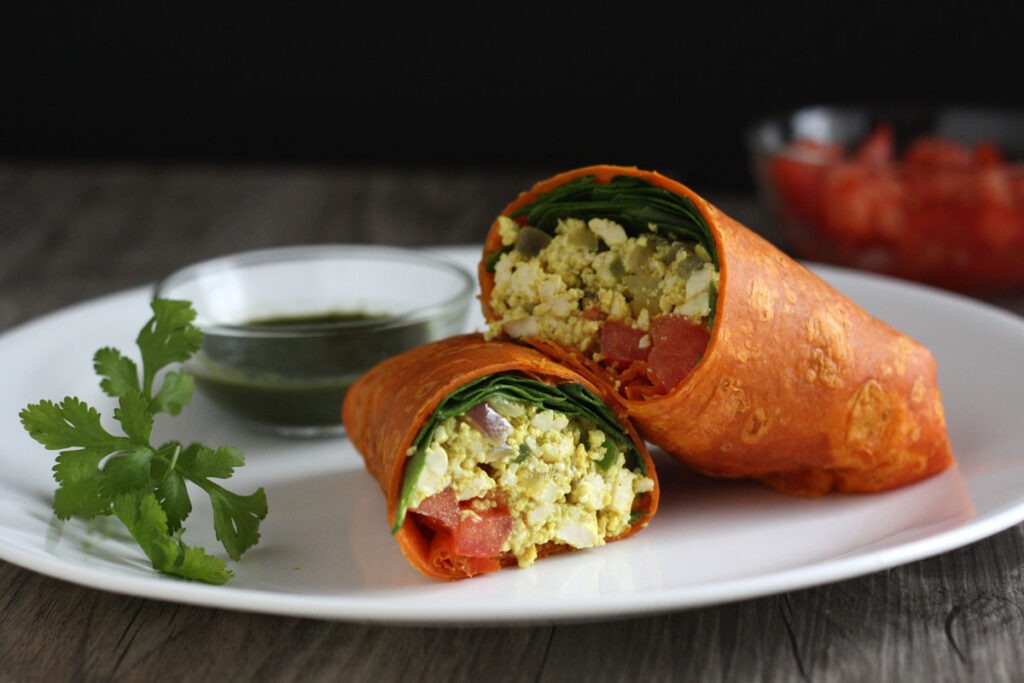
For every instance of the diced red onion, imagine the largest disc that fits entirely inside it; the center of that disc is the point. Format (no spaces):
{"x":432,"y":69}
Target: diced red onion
{"x":489,"y":421}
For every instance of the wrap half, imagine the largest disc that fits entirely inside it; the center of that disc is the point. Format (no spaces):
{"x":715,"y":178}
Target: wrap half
{"x":491,"y":454}
{"x":725,"y":352}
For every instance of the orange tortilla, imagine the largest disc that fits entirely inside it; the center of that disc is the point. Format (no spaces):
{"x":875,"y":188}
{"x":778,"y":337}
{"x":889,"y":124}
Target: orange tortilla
{"x":386,"y":408}
{"x":798,"y":387}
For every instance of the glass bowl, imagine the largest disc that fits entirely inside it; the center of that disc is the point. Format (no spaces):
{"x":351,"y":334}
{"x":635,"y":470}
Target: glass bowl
{"x":934,"y":195}
{"x":287,"y":331}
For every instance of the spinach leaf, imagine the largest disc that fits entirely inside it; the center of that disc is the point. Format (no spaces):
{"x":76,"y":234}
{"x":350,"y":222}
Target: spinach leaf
{"x":491,"y":260}
{"x":633,"y":203}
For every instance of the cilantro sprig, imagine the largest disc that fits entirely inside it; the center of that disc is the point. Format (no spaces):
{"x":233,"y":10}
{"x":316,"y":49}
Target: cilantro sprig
{"x":144,"y":486}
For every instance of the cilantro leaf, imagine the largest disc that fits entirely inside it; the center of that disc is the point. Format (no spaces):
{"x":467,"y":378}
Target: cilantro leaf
{"x":197,"y":564}
{"x":78,"y":494}
{"x":63,"y":426}
{"x":236,"y":518}
{"x":120,"y":373}
{"x":170,"y":487}
{"x":148,"y":526}
{"x":68,"y":424}
{"x":147,"y":523}
{"x":173,"y":498}
{"x":168,"y":337}
{"x":133,"y":413}
{"x":127,"y":472}
{"x":199,"y":462}
{"x":174,"y":394}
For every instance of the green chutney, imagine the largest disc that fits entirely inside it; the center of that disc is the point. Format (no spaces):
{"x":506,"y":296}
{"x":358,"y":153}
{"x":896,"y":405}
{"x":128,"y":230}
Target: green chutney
{"x":294,"y":371}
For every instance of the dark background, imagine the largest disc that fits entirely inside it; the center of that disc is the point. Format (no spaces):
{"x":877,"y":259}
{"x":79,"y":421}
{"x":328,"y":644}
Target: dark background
{"x":661,"y":85}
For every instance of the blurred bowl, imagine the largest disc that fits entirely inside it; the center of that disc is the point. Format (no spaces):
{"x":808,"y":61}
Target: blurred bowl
{"x":934,"y":195}
{"x":286,"y":331}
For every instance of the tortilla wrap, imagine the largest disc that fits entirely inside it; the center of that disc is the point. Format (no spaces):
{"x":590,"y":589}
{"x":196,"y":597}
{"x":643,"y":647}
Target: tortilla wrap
{"x":798,"y":387}
{"x":386,"y":408}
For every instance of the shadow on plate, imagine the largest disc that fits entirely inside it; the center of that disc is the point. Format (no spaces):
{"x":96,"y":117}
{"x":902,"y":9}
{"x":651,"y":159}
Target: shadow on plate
{"x":327,"y":534}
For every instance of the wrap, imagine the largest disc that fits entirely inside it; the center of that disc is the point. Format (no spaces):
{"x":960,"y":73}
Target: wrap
{"x":386,"y":409}
{"x":798,"y":387}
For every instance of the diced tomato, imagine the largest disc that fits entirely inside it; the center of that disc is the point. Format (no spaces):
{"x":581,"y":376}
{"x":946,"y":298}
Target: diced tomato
{"x":621,"y":342}
{"x":478,"y":535}
{"x":937,"y":153}
{"x":444,"y":556}
{"x":877,"y":148}
{"x":594,"y":313}
{"x":439,"y":511}
{"x":998,"y":222}
{"x":798,"y":175}
{"x":677,"y":343}
{"x":482,"y":535}
{"x":863,"y":202}
{"x":943,"y":212}
{"x":987,"y":154}
{"x":472,"y":546}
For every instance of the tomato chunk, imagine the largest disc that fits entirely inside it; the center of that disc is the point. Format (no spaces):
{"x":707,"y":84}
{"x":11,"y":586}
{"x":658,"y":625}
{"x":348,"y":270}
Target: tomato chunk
{"x":937,"y":153}
{"x":799,"y":175}
{"x":877,"y":149}
{"x":440,"y":511}
{"x":942,"y":211}
{"x":677,"y":343}
{"x":482,"y":535}
{"x":863,"y":202}
{"x":468,"y":545}
{"x":987,"y":154}
{"x":621,"y":342}
{"x":444,"y":556}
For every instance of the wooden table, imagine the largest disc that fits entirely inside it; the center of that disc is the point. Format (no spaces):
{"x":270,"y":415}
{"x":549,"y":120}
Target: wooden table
{"x":69,"y":233}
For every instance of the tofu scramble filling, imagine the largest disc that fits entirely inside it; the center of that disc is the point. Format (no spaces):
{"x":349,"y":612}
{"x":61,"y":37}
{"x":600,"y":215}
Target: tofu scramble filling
{"x":534,"y":476}
{"x":568,"y":287}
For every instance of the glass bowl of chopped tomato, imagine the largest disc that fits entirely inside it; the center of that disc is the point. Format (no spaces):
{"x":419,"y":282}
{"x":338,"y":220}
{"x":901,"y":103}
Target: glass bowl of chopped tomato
{"x":933,"y":195}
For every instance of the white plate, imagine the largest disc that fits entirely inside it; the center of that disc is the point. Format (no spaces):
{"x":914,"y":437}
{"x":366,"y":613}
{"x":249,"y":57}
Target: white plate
{"x":326,"y":551}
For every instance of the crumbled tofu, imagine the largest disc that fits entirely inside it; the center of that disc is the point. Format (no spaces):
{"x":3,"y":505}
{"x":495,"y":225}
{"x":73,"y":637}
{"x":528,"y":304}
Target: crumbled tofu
{"x":435,"y":469}
{"x":579,"y":531}
{"x":610,"y":232}
{"x":557,"y":493}
{"x":633,"y":280}
{"x":508,"y":230}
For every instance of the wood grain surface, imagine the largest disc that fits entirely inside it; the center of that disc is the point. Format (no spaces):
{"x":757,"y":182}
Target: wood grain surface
{"x":72,"y":233}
